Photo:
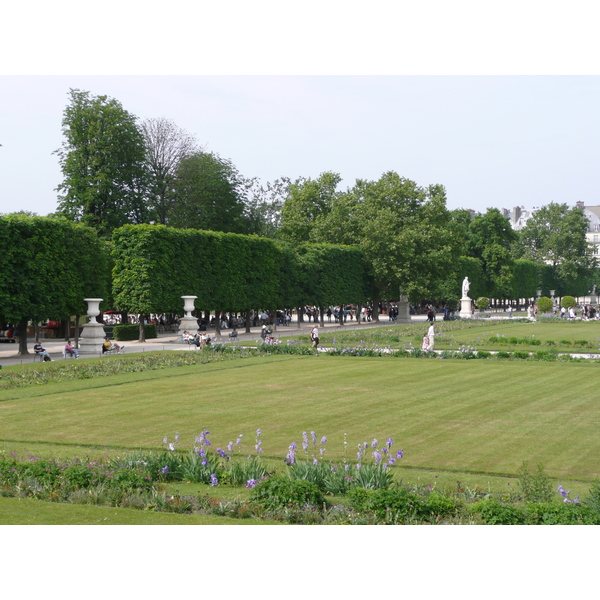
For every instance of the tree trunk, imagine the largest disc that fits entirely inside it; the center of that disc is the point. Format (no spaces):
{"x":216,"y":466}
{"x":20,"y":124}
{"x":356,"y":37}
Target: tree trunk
{"x":322,"y":311}
{"x":142,"y":320}
{"x":23,"y":337}
{"x":76,"y":335}
{"x":248,"y":323}
{"x":217,"y":322}
{"x":375,"y":317}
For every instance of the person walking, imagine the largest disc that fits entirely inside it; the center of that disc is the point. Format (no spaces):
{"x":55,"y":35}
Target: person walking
{"x":314,"y":336}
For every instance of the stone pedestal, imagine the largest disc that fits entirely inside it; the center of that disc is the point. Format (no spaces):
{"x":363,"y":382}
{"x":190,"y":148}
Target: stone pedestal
{"x":92,"y":335}
{"x":465,"y":308}
{"x":403,"y":310}
{"x":188,"y":322}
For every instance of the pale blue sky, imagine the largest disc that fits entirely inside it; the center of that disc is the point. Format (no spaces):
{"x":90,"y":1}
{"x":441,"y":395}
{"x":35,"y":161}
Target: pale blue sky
{"x":495,"y":141}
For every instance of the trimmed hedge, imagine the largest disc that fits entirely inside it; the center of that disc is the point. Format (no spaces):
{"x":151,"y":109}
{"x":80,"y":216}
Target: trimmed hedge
{"x":125,"y":333}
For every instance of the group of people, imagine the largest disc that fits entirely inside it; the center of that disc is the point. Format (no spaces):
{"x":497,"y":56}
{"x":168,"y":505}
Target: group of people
{"x":200,"y":339}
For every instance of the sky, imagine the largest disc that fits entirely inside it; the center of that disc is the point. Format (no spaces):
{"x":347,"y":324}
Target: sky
{"x":492,"y":141}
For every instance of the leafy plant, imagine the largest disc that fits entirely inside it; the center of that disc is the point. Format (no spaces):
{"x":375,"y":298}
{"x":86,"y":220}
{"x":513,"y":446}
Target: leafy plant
{"x":281,"y":492}
{"x":544,"y":304}
{"x":493,"y":512}
{"x":535,"y":487}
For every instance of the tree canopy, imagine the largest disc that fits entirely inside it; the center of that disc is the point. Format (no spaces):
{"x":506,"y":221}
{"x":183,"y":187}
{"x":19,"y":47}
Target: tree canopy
{"x":103,"y":163}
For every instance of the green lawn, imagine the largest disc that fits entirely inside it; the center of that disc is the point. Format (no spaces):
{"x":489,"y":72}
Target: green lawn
{"x":26,"y":511}
{"x":452,"y":334}
{"x":476,"y":417}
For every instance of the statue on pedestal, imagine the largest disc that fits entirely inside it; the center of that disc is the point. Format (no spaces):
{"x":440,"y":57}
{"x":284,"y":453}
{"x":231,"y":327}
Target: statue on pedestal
{"x":465,"y":287}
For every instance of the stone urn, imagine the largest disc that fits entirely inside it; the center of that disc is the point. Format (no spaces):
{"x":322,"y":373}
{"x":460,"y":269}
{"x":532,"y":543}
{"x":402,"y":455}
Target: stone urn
{"x":188,"y":322}
{"x":92,"y":335}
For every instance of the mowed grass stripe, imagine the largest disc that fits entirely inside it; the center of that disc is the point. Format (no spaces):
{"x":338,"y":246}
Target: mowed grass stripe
{"x":455,"y":415}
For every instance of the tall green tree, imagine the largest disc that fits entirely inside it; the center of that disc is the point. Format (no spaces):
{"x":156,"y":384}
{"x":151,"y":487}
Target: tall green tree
{"x":402,"y":228}
{"x":210,"y":195}
{"x":555,"y":234}
{"x":309,"y":201}
{"x":103,"y":163}
{"x":490,"y":239}
{"x":47,"y":267}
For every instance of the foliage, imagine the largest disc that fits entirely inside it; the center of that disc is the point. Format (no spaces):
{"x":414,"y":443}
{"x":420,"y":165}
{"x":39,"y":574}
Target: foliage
{"x":560,"y":514}
{"x":156,"y":265}
{"x":47,"y":267}
{"x":280,"y":492}
{"x":208,"y":194}
{"x":103,"y":163}
{"x":123,"y":333}
{"x":556,"y":234}
{"x":402,"y":504}
{"x":525,"y":279}
{"x":489,"y":238}
{"x":494,"y":512}
{"x":482,"y":302}
{"x":545,"y":304}
{"x":568,"y":302}
{"x":593,"y":498}
{"x":308,"y":202}
{"x":535,"y":487}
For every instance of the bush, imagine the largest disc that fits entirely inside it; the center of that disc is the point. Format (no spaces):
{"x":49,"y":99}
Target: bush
{"x":568,"y":302}
{"x":402,"y":505}
{"x":127,"y":333}
{"x":482,"y":302}
{"x":544,"y":304}
{"x":492,"y":512}
{"x":535,"y":487}
{"x":561,"y":514}
{"x":283,"y":492}
{"x":389,"y":506}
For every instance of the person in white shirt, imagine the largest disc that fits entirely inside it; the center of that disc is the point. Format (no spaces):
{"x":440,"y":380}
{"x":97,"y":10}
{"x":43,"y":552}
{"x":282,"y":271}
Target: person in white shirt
{"x":431,"y":337}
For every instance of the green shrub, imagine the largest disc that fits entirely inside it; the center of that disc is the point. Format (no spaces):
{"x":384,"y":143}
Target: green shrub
{"x":565,"y":342}
{"x":561,"y":514}
{"x":283,"y":492}
{"x":568,"y":302}
{"x":125,"y":333}
{"x":388,"y":506}
{"x":503,"y":354}
{"x":544,"y":304}
{"x":520,"y":354}
{"x":492,"y":512}
{"x":582,"y":343}
{"x":482,"y":302}
{"x":535,"y":487}
{"x":593,"y":498}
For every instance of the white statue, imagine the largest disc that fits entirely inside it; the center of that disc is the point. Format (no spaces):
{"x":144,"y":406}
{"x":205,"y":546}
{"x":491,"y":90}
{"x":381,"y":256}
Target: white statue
{"x":465,"y":287}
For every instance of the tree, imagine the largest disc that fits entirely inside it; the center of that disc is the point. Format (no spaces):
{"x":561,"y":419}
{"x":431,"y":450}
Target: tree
{"x":490,"y":238}
{"x":262,"y":211}
{"x":47,"y":267}
{"x":210,"y":194}
{"x":103,"y":163}
{"x":555,"y":234}
{"x":402,"y":228}
{"x":309,"y":201}
{"x":166,"y":146}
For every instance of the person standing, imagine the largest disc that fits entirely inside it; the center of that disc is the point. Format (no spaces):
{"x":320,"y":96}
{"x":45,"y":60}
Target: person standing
{"x":314,"y":336}
{"x":431,"y":337}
